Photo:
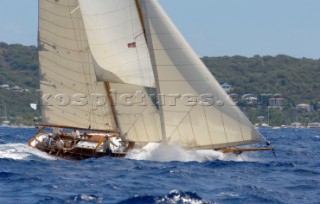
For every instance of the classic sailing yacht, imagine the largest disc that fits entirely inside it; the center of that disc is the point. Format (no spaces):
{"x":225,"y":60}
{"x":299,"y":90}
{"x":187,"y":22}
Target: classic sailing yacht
{"x":121,"y":68}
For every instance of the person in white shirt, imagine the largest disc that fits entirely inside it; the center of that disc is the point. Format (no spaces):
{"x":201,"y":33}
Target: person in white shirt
{"x":106,"y":145}
{"x":60,"y":145}
{"x":75,"y":134}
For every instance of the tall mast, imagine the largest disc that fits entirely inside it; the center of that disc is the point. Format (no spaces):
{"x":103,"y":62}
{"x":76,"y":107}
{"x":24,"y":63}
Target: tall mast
{"x":107,"y":84}
{"x":155,"y":72}
{"x":141,"y":19}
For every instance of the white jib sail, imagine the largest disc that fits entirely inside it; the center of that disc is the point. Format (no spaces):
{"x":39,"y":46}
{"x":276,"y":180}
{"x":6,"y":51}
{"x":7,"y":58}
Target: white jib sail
{"x":137,"y":117}
{"x":197,"y":113}
{"x":117,"y":41}
{"x":71,"y":95}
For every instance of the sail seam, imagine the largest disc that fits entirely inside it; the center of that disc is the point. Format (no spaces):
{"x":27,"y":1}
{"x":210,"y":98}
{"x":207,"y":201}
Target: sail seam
{"x":47,"y":21}
{"x":58,"y":35}
{"x":145,"y":129}
{"x":84,"y":86}
{"x":191,"y":124}
{"x":63,"y":67}
{"x":124,"y":63}
{"x":205,"y":116}
{"x":179,"y":134}
{"x":57,"y":3}
{"x":113,"y":11}
{"x":134,"y":127}
{"x":114,"y":41}
{"x":239,"y":124}
{"x":224,"y":127}
{"x":67,"y":59}
{"x":62,"y":110}
{"x":64,"y":76}
{"x":155,"y":122}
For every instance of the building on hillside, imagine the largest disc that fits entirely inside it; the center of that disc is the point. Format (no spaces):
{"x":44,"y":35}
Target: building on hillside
{"x":234,"y":97}
{"x":272,"y":100}
{"x":313,"y":125}
{"x":304,"y":107}
{"x":27,"y":91}
{"x":263,"y":99}
{"x":253,"y":100}
{"x":276,"y":102}
{"x":18,"y":89}
{"x":227,"y":87}
{"x":250,"y":99}
{"x":296,"y":125}
{"x":5,"y":86}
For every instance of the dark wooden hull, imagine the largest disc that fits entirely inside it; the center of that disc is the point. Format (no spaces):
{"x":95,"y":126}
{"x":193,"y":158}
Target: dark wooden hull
{"x":74,"y":153}
{"x":77,"y":154}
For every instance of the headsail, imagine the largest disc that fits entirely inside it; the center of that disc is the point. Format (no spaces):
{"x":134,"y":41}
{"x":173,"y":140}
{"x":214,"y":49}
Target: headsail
{"x":71,"y":94}
{"x":197,"y":113}
{"x":136,"y":114}
{"x":117,"y":42}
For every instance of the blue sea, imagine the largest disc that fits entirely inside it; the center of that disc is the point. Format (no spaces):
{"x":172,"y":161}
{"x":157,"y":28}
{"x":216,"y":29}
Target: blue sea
{"x":158,"y":174}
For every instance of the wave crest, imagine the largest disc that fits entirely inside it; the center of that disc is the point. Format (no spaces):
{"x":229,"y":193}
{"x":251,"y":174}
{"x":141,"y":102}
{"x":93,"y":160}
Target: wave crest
{"x":174,"y":196}
{"x":21,"y":152}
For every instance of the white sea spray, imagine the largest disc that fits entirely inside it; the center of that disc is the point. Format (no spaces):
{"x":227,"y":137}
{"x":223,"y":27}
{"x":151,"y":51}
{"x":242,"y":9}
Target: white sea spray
{"x":19,"y":151}
{"x":166,"y":153}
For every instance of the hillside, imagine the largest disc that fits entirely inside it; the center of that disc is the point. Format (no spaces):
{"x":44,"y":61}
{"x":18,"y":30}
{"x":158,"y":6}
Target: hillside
{"x":296,"y":79}
{"x":18,"y":68}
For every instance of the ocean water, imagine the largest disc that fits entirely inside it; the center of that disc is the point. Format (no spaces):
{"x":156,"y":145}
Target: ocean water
{"x":164,"y":175}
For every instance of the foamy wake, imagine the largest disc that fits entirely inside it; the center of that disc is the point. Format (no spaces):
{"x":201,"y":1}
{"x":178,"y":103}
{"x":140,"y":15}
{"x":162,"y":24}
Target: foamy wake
{"x":164,"y":153}
{"x":21,"y":152}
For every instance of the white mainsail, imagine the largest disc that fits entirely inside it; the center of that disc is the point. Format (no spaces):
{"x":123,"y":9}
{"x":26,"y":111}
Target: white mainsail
{"x":186,"y":84}
{"x":71,"y":94}
{"x":117,"y":41}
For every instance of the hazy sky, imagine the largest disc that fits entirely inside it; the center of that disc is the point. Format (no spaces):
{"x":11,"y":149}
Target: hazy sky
{"x":212,"y":27}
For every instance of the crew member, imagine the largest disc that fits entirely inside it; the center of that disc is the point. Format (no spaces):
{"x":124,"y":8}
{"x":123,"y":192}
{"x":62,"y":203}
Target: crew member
{"x":75,"y":134}
{"x":106,"y":145}
{"x":60,"y":145}
{"x":49,"y":140}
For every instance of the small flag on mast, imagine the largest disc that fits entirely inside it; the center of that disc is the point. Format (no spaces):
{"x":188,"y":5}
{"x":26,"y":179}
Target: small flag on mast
{"x":132,"y":45}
